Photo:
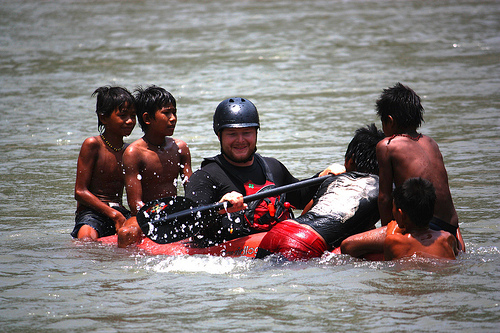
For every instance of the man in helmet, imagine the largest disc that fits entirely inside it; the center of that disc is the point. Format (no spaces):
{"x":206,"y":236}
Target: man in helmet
{"x":238,"y":170}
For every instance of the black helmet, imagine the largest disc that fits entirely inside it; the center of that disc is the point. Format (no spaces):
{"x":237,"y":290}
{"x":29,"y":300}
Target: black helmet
{"x":235,"y":112}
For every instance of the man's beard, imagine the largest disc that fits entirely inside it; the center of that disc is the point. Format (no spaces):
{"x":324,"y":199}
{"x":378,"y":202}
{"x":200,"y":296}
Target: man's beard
{"x":242,"y":160}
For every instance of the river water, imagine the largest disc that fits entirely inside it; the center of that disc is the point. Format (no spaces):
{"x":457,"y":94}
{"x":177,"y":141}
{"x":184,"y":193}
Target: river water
{"x":314,"y":69}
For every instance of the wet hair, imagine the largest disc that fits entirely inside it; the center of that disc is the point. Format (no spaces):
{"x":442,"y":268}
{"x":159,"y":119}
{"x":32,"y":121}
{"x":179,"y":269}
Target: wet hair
{"x":402,"y":104}
{"x":150,"y":100}
{"x":362,"y":148}
{"x":109,"y":99}
{"x":416,"y":197}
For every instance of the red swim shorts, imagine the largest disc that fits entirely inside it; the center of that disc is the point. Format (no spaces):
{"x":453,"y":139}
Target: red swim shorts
{"x":293,"y":240}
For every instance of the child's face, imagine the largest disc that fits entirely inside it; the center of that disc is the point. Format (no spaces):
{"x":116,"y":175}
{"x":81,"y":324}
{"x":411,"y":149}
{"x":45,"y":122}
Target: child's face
{"x":121,"y":121}
{"x":165,"y":120}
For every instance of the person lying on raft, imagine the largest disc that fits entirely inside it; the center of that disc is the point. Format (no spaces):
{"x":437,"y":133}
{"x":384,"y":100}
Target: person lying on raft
{"x":409,"y":235}
{"x":405,"y":154}
{"x":239,"y":170}
{"x":154,"y":162}
{"x":344,"y":205}
{"x":99,"y":174}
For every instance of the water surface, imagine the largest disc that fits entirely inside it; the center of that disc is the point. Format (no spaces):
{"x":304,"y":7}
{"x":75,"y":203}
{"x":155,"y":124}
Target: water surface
{"x":314,"y":70}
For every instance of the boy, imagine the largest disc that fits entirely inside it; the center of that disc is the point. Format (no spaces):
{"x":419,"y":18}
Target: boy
{"x":414,"y":204}
{"x":413,"y":209}
{"x":99,"y":176}
{"x":404,"y":154}
{"x":153,"y":163}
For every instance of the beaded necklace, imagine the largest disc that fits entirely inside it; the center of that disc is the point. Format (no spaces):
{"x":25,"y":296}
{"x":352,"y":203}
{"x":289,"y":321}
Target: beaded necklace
{"x":406,"y":136}
{"x":110,"y":145}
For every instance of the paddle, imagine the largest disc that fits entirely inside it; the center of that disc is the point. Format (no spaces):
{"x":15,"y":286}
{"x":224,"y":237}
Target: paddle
{"x":172,"y":219}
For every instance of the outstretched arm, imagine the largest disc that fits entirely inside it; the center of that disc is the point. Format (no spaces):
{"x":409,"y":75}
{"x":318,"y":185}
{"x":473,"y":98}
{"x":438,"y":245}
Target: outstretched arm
{"x":371,"y":241}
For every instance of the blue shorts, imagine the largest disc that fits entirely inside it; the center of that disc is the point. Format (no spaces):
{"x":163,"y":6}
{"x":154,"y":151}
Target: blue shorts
{"x":101,"y":223}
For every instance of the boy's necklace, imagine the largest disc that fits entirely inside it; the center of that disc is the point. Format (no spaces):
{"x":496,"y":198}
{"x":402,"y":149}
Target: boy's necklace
{"x":406,"y":136}
{"x":110,"y":145}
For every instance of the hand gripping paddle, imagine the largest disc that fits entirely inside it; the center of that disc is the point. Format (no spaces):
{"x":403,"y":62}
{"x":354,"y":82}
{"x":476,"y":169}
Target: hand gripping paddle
{"x":172,"y":219}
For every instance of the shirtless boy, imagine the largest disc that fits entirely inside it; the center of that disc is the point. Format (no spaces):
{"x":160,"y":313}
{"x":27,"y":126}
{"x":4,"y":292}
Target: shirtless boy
{"x":99,"y":176}
{"x":410,"y":235}
{"x":154,"y":162}
{"x":404,"y":154}
{"x":407,"y":154}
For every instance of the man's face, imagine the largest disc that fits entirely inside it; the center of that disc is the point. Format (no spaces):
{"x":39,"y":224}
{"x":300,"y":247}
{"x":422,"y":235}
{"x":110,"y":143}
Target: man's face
{"x":238,"y":144}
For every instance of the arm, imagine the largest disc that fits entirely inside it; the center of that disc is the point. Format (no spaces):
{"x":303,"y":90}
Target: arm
{"x":385,"y":183}
{"x":185,"y":170}
{"x":334,"y":169}
{"x":133,"y":184}
{"x":371,"y":241}
{"x":85,"y":166}
{"x":202,"y":189}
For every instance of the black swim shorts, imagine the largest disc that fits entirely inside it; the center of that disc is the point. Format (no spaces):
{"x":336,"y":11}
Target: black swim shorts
{"x":101,"y":223}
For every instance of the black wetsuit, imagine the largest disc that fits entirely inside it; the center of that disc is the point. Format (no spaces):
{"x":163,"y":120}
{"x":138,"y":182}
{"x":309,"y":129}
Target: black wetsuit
{"x":344,"y":205}
{"x":437,"y":224}
{"x":218,"y":177}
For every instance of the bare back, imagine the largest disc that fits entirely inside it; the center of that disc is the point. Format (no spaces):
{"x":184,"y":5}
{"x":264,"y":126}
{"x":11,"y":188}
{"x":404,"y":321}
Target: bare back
{"x":427,"y":243}
{"x":401,"y":158}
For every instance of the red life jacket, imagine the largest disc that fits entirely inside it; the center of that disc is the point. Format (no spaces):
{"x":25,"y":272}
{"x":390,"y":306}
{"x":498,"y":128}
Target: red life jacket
{"x":263,"y":214}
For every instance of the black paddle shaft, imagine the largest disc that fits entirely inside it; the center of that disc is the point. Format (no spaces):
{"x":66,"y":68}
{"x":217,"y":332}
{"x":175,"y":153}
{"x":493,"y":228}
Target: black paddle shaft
{"x":246,"y":199}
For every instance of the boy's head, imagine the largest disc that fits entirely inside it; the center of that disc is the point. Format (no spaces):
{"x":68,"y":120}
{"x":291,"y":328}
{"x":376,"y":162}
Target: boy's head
{"x":150,"y":100}
{"x":416,"y":198}
{"x":362,"y":149}
{"x":402,"y":104}
{"x":110,"y":99}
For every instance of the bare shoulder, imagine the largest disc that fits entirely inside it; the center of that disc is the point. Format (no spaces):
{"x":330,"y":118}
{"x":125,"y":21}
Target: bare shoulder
{"x":397,"y":246}
{"x":183,"y":147}
{"x":427,"y":140}
{"x":449,"y":239}
{"x":180,"y":143}
{"x":91,"y":147}
{"x":382,"y":144}
{"x":135,"y":149}
{"x":92,"y":143}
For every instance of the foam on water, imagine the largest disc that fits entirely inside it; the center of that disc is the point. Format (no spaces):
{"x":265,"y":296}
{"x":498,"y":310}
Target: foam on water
{"x":199,"y":264}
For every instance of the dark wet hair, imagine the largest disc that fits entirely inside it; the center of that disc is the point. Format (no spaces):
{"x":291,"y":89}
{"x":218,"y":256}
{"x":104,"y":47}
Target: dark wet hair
{"x":416,"y":197}
{"x":110,"y":98}
{"x":362,"y":148}
{"x":402,"y":104}
{"x":150,"y":100}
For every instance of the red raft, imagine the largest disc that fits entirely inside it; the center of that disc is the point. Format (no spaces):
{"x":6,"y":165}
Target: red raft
{"x":239,"y":247}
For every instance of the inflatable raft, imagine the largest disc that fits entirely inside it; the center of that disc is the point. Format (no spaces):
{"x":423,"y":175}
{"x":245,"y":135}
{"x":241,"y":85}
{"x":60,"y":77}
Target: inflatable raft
{"x":239,"y":247}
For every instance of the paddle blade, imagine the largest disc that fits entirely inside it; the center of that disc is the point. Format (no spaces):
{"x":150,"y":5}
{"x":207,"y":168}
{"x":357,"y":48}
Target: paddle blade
{"x":156,"y":223}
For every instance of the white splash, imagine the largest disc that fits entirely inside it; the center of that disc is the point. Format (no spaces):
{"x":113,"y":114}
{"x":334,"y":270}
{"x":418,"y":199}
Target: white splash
{"x":201,"y":264}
